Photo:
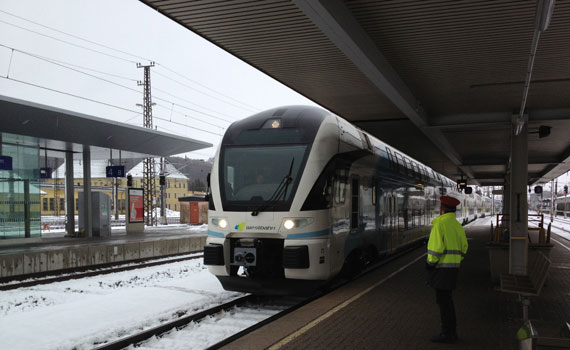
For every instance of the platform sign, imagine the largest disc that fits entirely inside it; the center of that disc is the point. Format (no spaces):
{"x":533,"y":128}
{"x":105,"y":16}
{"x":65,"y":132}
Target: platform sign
{"x":136,"y":205}
{"x":115,"y":171}
{"x":45,"y":173}
{"x":5,"y":163}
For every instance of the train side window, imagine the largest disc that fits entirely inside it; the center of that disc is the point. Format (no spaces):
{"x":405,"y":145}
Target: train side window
{"x":355,"y":214}
{"x":390,"y":158}
{"x":401,"y":163}
{"x":367,"y":141}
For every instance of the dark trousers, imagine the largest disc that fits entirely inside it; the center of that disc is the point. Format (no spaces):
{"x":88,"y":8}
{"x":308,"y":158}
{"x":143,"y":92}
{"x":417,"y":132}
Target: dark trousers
{"x":447,"y":311}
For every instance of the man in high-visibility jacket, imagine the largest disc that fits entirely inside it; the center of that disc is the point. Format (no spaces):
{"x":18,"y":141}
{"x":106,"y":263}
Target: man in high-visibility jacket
{"x":446,"y":248}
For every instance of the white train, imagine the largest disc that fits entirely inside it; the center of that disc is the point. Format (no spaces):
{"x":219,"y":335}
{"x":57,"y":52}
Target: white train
{"x":299,"y":194}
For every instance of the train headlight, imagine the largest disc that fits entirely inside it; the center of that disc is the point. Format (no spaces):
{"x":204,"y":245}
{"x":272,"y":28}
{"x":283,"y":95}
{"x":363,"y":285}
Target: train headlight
{"x":296,"y":223}
{"x":288,"y":224}
{"x":222,"y":223}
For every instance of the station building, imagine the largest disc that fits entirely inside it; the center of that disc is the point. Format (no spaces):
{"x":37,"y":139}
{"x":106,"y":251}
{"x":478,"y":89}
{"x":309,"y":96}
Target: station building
{"x":32,"y":135}
{"x":53,"y":190}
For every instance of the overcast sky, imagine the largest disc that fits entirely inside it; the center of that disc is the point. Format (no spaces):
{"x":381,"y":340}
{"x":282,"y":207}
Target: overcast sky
{"x":199,"y":89}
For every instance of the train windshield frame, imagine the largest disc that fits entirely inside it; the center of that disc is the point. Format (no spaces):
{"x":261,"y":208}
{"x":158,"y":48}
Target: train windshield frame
{"x":250,"y":175}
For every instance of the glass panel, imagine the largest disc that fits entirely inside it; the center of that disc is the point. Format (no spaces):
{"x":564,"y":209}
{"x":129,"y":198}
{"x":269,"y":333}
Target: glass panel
{"x":20,"y":188}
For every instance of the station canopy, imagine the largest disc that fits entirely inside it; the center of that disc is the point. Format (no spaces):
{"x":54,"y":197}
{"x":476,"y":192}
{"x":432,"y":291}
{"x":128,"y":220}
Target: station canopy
{"x":439,"y":80}
{"x":60,"y":130}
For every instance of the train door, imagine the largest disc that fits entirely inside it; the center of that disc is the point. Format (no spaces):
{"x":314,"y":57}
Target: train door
{"x":355,"y":205}
{"x":339,"y":219}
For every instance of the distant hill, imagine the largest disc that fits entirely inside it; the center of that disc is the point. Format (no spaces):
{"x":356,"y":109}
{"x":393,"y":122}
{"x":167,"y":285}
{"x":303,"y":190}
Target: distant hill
{"x":195,"y":169}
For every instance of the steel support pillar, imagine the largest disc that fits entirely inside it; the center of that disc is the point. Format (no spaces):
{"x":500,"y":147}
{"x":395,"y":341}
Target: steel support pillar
{"x":87,"y":202}
{"x":69,"y":195}
{"x":506,"y":198}
{"x":27,"y":204}
{"x":518,"y":218}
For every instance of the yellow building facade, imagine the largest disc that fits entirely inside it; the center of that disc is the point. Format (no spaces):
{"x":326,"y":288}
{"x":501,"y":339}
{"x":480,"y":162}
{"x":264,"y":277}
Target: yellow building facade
{"x":53,"y":198}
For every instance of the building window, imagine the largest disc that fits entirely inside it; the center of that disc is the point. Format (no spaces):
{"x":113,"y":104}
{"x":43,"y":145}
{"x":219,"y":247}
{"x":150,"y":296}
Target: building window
{"x":77,"y":204}
{"x":175,"y":207}
{"x":51,"y":203}
{"x":61,"y":204}
{"x":175,"y":197}
{"x":45,"y":201}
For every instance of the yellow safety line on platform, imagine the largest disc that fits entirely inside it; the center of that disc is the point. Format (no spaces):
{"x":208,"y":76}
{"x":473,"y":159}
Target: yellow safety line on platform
{"x":331,"y":312}
{"x":565,"y":247}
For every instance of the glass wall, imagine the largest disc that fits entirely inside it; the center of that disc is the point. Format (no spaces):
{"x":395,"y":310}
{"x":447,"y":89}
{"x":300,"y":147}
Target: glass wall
{"x":20,"y":211}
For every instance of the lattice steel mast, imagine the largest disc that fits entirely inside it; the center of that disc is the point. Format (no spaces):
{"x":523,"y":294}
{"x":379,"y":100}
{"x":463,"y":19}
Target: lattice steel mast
{"x":148,"y":163}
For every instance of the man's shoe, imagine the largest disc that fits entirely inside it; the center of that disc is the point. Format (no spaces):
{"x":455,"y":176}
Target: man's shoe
{"x":444,"y":338}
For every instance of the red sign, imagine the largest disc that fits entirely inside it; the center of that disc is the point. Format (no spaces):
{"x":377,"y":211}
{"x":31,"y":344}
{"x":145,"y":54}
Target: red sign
{"x":136,"y":205}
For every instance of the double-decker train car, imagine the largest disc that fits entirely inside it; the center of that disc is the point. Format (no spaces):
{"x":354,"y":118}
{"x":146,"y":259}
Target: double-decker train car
{"x":299,"y":195}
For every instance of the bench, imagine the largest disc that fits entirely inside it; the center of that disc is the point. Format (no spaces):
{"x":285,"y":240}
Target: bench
{"x":528,"y":285}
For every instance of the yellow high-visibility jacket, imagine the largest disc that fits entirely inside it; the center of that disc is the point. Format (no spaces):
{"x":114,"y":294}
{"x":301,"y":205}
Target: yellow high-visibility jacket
{"x":447,"y":243}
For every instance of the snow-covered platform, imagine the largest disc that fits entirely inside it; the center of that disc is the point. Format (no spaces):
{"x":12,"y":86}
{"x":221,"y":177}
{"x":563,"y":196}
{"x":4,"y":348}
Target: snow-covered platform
{"x":56,"y":252}
{"x":393,"y":308}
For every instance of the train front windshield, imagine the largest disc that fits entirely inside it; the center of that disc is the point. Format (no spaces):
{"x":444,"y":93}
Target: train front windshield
{"x":253,"y":175}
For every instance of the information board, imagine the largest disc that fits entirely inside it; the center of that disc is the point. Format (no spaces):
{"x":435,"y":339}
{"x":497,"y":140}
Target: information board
{"x":45,"y":173}
{"x":136,"y":205}
{"x":5,"y":163}
{"x":115,"y":171}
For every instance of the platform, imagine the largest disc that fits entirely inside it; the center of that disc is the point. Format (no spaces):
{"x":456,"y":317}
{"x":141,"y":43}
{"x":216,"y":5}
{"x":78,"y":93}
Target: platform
{"x":393,"y":308}
{"x":57,"y":252}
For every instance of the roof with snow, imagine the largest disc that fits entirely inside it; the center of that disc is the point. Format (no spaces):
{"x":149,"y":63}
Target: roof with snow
{"x":98,"y":170}
{"x":170,"y":171}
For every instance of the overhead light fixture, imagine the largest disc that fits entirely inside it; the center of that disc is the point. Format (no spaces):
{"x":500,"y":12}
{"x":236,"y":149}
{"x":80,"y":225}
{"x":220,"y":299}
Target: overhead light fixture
{"x":544,"y":10}
{"x":543,"y":131}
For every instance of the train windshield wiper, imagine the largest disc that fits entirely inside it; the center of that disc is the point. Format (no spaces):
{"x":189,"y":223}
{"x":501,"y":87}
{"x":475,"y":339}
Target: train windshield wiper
{"x":281,"y":190}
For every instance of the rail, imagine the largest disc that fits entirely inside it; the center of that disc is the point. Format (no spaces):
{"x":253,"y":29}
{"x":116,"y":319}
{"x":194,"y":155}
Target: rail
{"x":87,"y":271}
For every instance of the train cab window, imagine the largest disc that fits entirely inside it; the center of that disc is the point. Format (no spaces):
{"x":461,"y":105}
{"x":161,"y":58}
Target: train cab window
{"x":355,"y":214}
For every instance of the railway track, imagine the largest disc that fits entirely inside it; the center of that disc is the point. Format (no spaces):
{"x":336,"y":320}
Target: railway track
{"x":235,"y":318}
{"x":230,"y":321}
{"x":78,"y":273}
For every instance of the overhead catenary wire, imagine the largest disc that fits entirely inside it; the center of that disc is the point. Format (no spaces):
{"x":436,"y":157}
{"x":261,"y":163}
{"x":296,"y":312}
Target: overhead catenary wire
{"x":102,"y":103}
{"x":188,"y":126}
{"x":69,"y":94}
{"x":204,"y":93}
{"x":172,"y":110}
{"x":119,"y":85}
{"x":244,"y":105}
{"x":75,"y":36}
{"x":247,"y":106}
{"x":68,"y":42}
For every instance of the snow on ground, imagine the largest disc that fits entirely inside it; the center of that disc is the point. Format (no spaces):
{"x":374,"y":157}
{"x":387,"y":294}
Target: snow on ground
{"x":213,"y":329}
{"x":80,"y":313}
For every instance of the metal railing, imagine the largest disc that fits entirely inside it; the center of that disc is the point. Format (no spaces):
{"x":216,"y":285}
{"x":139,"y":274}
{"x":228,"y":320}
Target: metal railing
{"x":500,"y":233}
